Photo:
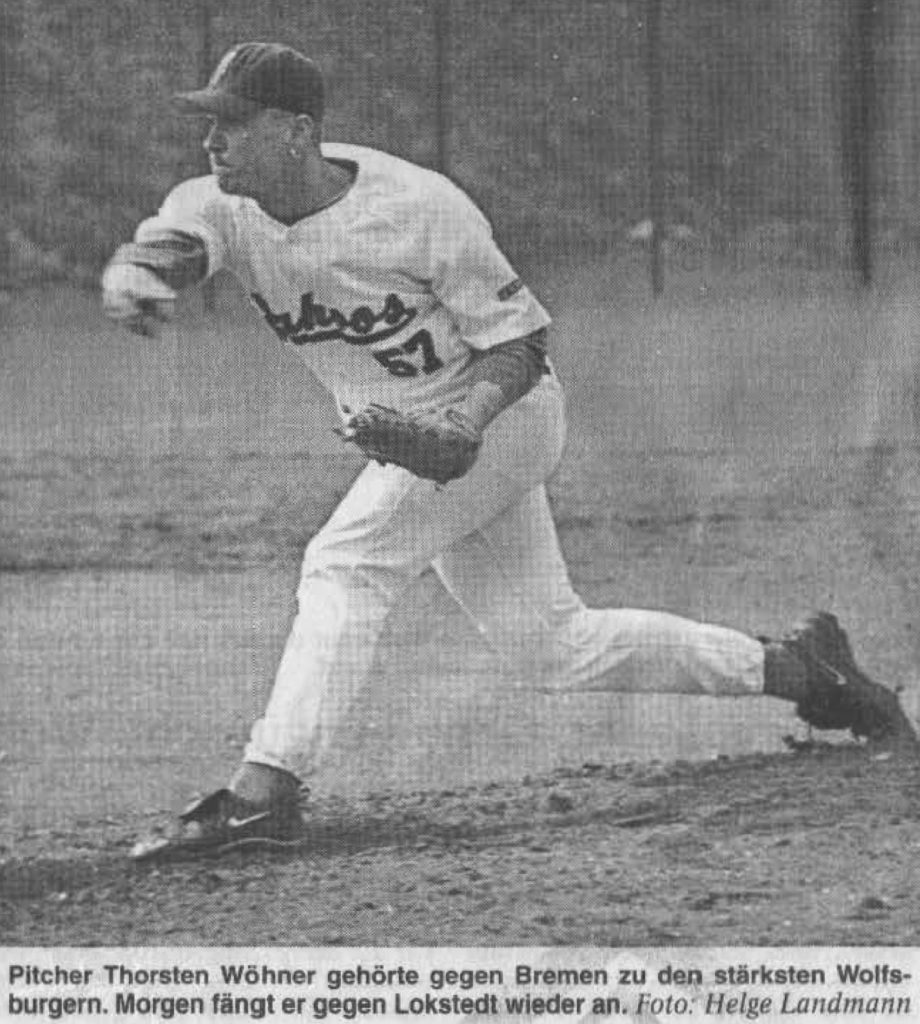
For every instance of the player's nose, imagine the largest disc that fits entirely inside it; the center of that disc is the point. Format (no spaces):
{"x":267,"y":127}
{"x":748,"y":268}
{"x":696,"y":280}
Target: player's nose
{"x":215,"y":141}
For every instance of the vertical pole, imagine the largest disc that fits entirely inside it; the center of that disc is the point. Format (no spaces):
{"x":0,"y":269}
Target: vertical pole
{"x":10,"y":56}
{"x":442,"y":83}
{"x":655,"y":141}
{"x":205,"y":61}
{"x":858,"y":130}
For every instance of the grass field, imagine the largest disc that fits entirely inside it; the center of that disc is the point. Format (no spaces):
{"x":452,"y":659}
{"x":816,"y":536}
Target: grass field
{"x":742,"y":451}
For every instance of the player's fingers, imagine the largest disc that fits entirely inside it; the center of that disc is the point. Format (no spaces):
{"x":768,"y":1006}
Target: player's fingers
{"x":118,"y":306}
{"x":128,"y":279}
{"x":157,"y":309}
{"x":130,"y":310}
{"x":144,"y":326}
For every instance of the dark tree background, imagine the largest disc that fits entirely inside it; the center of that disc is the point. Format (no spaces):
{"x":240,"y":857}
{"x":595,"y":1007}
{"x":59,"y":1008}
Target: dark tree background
{"x":548,"y":120}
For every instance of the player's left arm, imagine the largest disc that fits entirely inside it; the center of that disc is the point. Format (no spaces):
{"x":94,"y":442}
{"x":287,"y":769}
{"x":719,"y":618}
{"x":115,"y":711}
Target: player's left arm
{"x":442,"y":445}
{"x":503,"y":374}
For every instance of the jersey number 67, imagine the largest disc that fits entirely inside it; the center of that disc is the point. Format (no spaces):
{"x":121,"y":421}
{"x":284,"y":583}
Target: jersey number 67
{"x":393,"y":359}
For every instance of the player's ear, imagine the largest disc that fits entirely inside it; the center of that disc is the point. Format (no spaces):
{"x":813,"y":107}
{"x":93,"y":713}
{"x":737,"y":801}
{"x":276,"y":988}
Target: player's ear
{"x":307,"y":129}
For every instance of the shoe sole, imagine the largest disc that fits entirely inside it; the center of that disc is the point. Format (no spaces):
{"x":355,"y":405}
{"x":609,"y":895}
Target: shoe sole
{"x":164,"y":848}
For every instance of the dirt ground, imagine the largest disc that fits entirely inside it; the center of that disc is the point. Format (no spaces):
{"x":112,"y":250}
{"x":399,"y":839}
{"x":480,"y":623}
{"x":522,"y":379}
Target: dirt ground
{"x":742,"y":458}
{"x":815,"y":848}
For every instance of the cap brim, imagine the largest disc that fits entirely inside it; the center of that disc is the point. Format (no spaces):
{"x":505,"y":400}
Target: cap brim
{"x":214,"y":102}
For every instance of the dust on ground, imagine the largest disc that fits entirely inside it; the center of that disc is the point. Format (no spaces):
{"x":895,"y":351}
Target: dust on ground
{"x":817,"y":848}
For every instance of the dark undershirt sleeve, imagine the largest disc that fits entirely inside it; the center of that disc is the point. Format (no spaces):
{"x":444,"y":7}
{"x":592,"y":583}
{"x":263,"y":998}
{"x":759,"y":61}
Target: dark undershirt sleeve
{"x":514,"y":366}
{"x":180,"y":260}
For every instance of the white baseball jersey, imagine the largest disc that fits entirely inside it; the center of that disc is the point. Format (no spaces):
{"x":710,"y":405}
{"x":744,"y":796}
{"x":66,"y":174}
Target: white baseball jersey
{"x":386,"y":293}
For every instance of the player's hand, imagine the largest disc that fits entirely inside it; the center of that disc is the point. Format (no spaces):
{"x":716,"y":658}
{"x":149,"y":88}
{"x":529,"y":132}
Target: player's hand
{"x":137,"y":299}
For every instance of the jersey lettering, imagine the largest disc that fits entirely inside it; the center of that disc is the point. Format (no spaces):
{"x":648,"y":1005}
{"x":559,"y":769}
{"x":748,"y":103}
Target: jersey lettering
{"x":321,"y":323}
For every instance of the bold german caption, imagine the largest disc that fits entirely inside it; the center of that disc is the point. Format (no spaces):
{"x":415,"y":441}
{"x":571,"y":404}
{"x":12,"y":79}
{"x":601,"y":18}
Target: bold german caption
{"x":454,"y":984}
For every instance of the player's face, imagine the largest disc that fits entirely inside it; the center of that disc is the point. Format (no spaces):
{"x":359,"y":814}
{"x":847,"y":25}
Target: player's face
{"x":248,"y":155}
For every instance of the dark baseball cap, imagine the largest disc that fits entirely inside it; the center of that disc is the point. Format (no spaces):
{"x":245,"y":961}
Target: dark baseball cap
{"x":256,"y":76}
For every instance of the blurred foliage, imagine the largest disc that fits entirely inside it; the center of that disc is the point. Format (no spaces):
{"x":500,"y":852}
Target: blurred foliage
{"x":548,"y":114}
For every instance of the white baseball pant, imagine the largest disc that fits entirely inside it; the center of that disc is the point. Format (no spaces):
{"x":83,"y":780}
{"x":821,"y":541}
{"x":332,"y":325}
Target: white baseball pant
{"x":491,"y":539}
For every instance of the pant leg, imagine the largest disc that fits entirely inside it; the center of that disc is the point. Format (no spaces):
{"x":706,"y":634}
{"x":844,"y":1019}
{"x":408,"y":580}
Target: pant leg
{"x":387,"y":530}
{"x":510,"y":577}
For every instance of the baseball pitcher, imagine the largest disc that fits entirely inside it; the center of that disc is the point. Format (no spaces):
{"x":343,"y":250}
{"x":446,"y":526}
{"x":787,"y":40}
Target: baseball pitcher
{"x":385,"y":278}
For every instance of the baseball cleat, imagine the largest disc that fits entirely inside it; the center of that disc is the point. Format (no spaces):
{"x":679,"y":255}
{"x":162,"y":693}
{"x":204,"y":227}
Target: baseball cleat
{"x":223,"y":822}
{"x":841,"y":695}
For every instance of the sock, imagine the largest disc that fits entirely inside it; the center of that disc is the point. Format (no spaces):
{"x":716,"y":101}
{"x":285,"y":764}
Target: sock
{"x":784,"y":675}
{"x":261,"y":784}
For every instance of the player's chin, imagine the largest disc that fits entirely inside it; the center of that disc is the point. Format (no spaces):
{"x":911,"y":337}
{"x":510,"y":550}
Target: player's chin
{"x":229,"y":182}
{"x":226,"y":183}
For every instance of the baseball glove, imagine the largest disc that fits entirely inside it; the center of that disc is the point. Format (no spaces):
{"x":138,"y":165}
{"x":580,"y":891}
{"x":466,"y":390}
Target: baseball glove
{"x":439,"y":445}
